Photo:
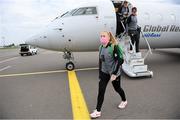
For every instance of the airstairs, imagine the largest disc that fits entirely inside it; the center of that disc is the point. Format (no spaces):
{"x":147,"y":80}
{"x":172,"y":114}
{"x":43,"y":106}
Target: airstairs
{"x":134,"y":63}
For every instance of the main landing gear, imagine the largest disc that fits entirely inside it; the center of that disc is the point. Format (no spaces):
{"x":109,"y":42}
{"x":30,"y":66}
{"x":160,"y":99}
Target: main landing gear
{"x":70,"y":58}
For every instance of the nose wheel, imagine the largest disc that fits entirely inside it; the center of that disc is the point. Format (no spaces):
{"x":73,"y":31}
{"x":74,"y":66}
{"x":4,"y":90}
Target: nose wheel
{"x":69,"y":57}
{"x":70,"y":66}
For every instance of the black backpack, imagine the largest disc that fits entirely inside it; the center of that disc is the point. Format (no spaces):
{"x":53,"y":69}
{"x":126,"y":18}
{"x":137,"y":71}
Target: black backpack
{"x":129,"y":19}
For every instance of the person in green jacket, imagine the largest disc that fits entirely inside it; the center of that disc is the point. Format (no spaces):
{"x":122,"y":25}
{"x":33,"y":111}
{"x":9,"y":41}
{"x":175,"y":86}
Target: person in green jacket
{"x":110,"y":67}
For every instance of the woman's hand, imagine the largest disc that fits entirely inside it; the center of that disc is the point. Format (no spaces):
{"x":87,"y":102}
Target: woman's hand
{"x":113,"y":77}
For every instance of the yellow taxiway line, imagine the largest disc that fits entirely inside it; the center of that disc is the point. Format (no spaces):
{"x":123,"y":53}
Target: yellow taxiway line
{"x":79,"y":107}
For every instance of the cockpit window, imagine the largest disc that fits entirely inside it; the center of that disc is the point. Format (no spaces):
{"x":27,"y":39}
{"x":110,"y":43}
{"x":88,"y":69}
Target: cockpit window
{"x":85,"y":11}
{"x":64,"y":14}
{"x":80,"y":11}
{"x":68,"y":13}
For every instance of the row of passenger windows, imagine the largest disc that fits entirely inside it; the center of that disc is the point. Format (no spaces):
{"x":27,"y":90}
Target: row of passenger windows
{"x":81,"y":11}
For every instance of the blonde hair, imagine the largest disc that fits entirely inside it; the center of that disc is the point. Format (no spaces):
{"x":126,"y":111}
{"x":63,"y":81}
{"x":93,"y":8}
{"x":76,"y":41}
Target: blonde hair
{"x":112,"y":38}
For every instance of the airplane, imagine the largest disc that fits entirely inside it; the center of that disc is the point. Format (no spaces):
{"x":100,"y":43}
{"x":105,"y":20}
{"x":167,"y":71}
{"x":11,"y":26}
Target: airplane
{"x":77,"y":30}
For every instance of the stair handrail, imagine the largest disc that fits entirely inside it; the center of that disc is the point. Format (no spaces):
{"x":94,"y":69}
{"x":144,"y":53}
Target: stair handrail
{"x":149,"y":47}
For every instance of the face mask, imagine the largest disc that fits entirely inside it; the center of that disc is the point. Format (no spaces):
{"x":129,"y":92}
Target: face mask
{"x":104,"y":41}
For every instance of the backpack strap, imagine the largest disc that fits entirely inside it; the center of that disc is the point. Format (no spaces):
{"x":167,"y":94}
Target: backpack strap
{"x":111,"y":49}
{"x":129,"y":19}
{"x":128,"y":9}
{"x":100,"y":48}
{"x":120,"y":51}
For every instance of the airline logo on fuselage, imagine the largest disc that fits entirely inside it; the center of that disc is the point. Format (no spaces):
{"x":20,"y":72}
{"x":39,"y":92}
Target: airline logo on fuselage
{"x":156,"y":31}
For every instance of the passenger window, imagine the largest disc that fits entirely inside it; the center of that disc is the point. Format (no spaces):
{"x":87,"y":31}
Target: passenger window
{"x":86,"y":11}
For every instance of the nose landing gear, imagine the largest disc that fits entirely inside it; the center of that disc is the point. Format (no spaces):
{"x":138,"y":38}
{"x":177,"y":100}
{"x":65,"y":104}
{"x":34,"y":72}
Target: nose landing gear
{"x":70,"y":66}
{"x":69,"y":56}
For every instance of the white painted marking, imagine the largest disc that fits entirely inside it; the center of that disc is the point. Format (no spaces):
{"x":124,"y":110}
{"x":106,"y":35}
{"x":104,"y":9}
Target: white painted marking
{"x":46,"y":72}
{"x":86,"y":69}
{"x":5,"y":68}
{"x":7,"y":60}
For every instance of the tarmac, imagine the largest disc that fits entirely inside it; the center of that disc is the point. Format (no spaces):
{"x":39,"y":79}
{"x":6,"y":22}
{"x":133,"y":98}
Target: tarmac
{"x":37,"y":87}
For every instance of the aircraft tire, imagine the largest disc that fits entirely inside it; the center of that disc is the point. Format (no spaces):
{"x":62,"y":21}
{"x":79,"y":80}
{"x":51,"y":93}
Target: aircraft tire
{"x":70,"y":66}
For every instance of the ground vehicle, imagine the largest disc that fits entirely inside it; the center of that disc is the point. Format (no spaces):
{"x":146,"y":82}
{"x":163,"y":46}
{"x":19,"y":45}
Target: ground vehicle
{"x":27,"y":49}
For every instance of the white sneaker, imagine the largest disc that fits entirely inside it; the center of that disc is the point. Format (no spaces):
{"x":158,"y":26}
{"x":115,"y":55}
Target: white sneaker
{"x":130,"y":51}
{"x":122,"y":105}
{"x":95,"y":114}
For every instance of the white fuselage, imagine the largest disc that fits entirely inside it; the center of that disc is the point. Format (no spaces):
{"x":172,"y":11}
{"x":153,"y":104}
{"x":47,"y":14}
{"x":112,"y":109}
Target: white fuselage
{"x":159,"y":21}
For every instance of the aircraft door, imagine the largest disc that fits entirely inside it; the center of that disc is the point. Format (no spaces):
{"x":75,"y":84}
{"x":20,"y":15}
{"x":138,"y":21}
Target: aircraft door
{"x":108,"y":16}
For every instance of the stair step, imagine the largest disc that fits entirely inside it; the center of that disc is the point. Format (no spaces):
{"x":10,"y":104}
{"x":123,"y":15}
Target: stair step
{"x":139,"y":68}
{"x":137,"y":55}
{"x":134,"y":62}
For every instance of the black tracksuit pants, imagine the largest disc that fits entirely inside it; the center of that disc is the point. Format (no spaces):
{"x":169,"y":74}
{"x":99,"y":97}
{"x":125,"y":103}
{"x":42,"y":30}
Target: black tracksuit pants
{"x":104,"y":79}
{"x":135,"y":36}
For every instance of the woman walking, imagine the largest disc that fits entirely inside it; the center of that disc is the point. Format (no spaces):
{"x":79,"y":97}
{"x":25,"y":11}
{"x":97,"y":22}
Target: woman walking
{"x":110,"y":61}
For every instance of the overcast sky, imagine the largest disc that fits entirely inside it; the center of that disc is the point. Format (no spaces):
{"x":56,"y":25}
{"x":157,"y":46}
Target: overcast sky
{"x":20,"y":19}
